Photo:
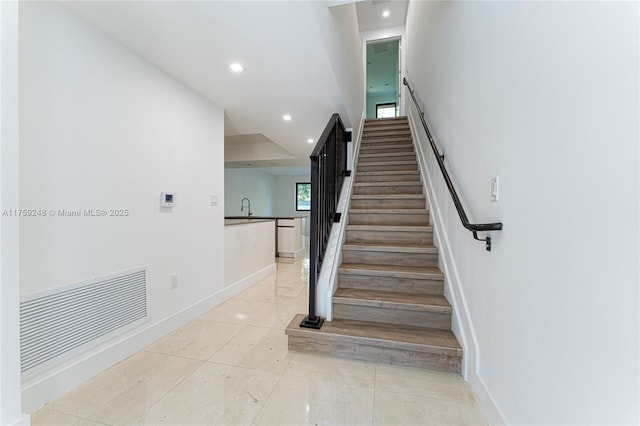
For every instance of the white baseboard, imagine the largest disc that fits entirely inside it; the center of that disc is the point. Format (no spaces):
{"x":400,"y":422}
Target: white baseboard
{"x":299,"y":253}
{"x":23,"y":420}
{"x":51,"y":384}
{"x":461,"y":324}
{"x":490,"y":409}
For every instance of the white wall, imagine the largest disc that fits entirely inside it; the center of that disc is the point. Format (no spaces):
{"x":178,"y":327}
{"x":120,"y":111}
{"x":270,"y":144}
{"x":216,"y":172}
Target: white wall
{"x":249,"y":252}
{"x":545,"y":95}
{"x":284,"y":195}
{"x":102,"y":128}
{"x":338,"y":27}
{"x":10,"y":397}
{"x":255,"y":185}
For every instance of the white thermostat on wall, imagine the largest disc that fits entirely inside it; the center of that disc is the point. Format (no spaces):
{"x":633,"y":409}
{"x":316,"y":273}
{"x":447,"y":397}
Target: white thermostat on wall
{"x":167,"y":199}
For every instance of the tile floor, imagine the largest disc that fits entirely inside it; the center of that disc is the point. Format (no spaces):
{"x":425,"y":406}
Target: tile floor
{"x":231,"y":366}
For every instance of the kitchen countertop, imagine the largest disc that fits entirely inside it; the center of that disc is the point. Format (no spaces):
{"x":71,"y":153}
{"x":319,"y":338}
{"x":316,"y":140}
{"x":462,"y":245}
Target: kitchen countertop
{"x":230,"y":221}
{"x":263,"y":217}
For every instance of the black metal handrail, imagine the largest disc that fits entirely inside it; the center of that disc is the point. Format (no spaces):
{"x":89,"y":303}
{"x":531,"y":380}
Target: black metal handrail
{"x":473,"y":227}
{"x":328,"y":169}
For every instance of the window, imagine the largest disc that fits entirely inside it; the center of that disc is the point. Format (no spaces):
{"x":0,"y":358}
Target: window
{"x":386,"y":110}
{"x":303,"y":196}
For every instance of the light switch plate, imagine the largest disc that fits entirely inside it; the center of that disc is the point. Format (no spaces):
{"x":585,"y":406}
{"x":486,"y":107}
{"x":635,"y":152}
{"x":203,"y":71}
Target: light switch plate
{"x":494,"y":188}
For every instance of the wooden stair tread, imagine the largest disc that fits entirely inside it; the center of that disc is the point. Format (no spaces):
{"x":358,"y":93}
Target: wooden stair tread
{"x":398,"y":127}
{"x":384,"y":139}
{"x":389,"y":299}
{"x":393,"y":247}
{"x":399,"y":183}
{"x":397,"y":271}
{"x":390,"y":163}
{"x":405,"y":148}
{"x":405,"y":144}
{"x":384,"y":154}
{"x":391,"y":228}
{"x":377,"y":122}
{"x":375,"y":125}
{"x":383,"y":119}
{"x":388,"y":196}
{"x":419,"y":339}
{"x":389,"y":172}
{"x":389,"y":211}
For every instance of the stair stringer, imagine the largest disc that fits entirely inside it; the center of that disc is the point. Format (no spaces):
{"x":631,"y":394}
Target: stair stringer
{"x":461,"y":323}
{"x":327,"y":283}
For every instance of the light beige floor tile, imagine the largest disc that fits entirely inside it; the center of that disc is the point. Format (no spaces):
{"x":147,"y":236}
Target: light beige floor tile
{"x":279,"y":315}
{"x":214,"y":395}
{"x":403,"y":409}
{"x":236,"y":311}
{"x":337,"y":370}
{"x":126,"y":391}
{"x":289,"y":272}
{"x":433,"y":384}
{"x":46,"y":417}
{"x":287,"y":294}
{"x":198,"y":339}
{"x":264,"y":291}
{"x":302,"y":399}
{"x":256,"y":347}
{"x":301,"y":301}
{"x":251,"y":377}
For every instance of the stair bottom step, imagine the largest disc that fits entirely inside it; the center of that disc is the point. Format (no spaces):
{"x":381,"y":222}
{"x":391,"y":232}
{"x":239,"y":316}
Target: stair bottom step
{"x":385,"y":343}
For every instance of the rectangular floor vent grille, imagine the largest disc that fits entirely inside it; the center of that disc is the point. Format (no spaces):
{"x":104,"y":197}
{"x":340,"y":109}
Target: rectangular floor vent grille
{"x":55,"y":324}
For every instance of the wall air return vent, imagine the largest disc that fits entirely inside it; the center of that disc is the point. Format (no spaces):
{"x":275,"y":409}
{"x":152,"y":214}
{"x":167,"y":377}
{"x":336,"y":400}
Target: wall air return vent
{"x":381,"y":47}
{"x":57,"y":325}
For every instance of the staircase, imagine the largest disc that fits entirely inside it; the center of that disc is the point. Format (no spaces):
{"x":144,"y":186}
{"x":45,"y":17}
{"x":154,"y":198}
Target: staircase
{"x":389,"y":306}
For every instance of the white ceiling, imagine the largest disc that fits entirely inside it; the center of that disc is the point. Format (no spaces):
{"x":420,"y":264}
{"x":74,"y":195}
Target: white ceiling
{"x":370,"y":14}
{"x":278,"y":42}
{"x":286,"y":171}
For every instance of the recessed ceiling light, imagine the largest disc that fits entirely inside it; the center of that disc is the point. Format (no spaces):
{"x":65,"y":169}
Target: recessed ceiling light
{"x":286,"y":117}
{"x":309,"y":140}
{"x":236,"y":67}
{"x":386,"y":14}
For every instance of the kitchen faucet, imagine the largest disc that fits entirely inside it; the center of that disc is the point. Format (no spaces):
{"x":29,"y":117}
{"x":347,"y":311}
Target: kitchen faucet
{"x":249,"y":206}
